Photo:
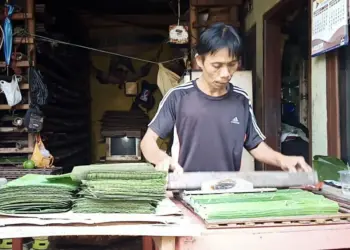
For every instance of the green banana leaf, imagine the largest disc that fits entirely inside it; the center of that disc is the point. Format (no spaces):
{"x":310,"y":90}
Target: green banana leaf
{"x":38,"y":194}
{"x":327,"y":167}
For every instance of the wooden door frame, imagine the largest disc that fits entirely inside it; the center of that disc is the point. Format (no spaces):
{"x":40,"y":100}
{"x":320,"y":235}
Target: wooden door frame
{"x":250,"y":48}
{"x":271,"y":90}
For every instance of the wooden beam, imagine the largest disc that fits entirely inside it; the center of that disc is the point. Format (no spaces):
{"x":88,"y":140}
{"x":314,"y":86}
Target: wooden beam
{"x":193,"y":35}
{"x":21,"y":64}
{"x":31,"y":53}
{"x":23,"y":40}
{"x":207,"y":3}
{"x":24,"y":85}
{"x":147,"y":243}
{"x":271,"y":89}
{"x":17,"y":244}
{"x":19,"y":16}
{"x":20,"y":106}
{"x":116,"y":20}
{"x":11,"y":129}
{"x":16,"y":150}
{"x":208,"y":23}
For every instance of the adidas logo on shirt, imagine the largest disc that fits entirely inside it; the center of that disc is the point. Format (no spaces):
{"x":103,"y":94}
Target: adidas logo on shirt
{"x":235,"y":120}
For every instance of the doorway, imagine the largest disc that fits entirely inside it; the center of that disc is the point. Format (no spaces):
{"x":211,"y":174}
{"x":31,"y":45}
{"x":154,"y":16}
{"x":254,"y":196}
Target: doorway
{"x":272,"y":95}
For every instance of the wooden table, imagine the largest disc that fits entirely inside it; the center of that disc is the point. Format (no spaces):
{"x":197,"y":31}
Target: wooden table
{"x":334,"y":236}
{"x":163,"y":235}
{"x":193,"y":235}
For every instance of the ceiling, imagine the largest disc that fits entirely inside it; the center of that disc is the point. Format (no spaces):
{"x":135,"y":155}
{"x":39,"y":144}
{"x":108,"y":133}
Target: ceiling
{"x":121,"y":7}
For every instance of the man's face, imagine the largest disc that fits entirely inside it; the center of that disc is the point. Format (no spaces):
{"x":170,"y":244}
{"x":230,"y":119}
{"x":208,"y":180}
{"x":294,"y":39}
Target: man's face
{"x":218,"y":68}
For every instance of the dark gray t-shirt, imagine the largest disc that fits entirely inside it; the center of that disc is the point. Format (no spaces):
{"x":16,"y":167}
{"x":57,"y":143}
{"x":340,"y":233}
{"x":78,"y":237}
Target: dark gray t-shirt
{"x":211,"y":131}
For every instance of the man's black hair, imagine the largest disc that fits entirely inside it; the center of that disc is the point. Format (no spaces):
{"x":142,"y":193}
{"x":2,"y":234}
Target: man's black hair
{"x":219,"y":36}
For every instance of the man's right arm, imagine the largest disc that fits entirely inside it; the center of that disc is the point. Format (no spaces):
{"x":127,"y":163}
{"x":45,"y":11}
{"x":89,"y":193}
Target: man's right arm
{"x":150,"y":148}
{"x":161,"y":125}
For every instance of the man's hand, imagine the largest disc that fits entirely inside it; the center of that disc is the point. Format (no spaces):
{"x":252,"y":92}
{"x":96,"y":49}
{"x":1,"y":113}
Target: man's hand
{"x":294,"y":164}
{"x":267,"y":155}
{"x":169,"y":164}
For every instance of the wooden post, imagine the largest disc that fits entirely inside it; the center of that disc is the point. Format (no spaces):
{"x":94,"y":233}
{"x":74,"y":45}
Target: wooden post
{"x":17,"y":244}
{"x":31,"y":55}
{"x":194,"y":35}
{"x":147,"y":243}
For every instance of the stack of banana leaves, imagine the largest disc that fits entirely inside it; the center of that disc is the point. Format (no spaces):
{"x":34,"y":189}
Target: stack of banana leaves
{"x":258,"y":205}
{"x":34,"y":194}
{"x":119,"y":188}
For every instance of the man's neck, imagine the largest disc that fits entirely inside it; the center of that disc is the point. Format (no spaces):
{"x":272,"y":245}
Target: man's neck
{"x":208,"y":90}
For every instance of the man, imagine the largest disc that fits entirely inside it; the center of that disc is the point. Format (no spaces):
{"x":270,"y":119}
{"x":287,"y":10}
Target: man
{"x":212,"y":119}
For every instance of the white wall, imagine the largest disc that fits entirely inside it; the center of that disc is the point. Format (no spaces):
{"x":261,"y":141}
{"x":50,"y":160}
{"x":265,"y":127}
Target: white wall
{"x":319,"y":106}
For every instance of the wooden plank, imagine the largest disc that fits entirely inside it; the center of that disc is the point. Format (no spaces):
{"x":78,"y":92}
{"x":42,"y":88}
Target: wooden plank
{"x":17,"y":244}
{"x":18,"y":64}
{"x":147,"y":243}
{"x":342,"y":218}
{"x":15,"y":150}
{"x":207,"y":3}
{"x":20,"y":106}
{"x":194,"y":35}
{"x":23,"y":40}
{"x":206,"y":24}
{"x":24,"y":85}
{"x":11,"y":129}
{"x":278,"y":179}
{"x":19,"y":16}
{"x":31,"y":53}
{"x":300,"y":219}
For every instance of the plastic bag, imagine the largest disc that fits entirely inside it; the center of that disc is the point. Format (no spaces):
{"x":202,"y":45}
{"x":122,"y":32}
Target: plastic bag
{"x":41,"y":156}
{"x":11,"y":91}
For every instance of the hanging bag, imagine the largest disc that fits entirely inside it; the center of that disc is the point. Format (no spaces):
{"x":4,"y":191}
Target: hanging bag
{"x":41,"y":156}
{"x":11,"y":90}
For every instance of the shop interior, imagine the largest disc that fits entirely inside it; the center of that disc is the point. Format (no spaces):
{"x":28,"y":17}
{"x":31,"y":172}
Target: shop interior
{"x":98,"y":70}
{"x":96,"y":66}
{"x":97,"y":83}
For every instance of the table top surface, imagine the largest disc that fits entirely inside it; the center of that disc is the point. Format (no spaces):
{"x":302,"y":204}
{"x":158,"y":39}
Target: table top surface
{"x":187,"y":225}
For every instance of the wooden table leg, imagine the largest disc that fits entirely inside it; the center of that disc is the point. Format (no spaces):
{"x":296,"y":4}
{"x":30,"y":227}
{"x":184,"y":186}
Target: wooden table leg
{"x":17,"y":244}
{"x":164,"y":243}
{"x":147,"y":243}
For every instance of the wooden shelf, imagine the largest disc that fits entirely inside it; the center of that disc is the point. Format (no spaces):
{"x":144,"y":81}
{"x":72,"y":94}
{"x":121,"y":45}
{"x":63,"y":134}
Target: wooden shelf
{"x":19,"y":16}
{"x":24,"y":85}
{"x":15,"y":150}
{"x":215,"y":3}
{"x":18,"y":64}
{"x":206,"y":24}
{"x":12,"y":129}
{"x":20,"y":106}
{"x":23,"y":40}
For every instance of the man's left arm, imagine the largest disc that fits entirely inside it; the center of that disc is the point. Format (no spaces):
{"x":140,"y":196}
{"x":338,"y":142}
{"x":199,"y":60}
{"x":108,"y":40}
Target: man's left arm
{"x":255,"y":144}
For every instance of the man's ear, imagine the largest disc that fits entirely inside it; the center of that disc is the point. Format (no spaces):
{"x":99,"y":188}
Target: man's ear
{"x":199,"y":61}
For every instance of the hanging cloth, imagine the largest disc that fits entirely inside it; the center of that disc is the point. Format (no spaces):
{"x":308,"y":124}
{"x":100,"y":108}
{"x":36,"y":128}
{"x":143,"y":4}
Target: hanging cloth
{"x":166,"y":79}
